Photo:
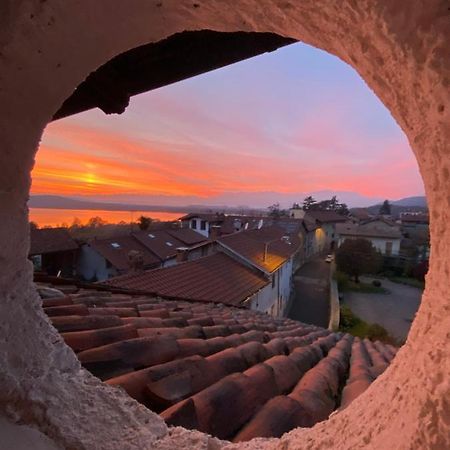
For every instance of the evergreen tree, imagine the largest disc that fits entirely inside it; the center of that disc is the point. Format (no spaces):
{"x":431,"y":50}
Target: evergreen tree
{"x":385,"y":209}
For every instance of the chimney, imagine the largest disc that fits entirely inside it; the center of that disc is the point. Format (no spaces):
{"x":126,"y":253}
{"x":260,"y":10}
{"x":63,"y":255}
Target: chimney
{"x":214,"y":232}
{"x":182,"y":254}
{"x":266,"y":246}
{"x":136,"y":261}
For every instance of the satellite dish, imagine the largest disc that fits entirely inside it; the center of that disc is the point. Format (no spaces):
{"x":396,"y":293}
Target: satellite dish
{"x":246,"y":226}
{"x":260,"y":224}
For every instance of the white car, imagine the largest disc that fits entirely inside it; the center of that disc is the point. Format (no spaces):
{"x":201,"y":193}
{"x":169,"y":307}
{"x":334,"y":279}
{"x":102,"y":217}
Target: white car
{"x":329,"y":258}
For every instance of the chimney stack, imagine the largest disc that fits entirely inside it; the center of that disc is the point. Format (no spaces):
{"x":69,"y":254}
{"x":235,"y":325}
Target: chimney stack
{"x":182,"y":254}
{"x":136,"y":261}
{"x":214,"y":232}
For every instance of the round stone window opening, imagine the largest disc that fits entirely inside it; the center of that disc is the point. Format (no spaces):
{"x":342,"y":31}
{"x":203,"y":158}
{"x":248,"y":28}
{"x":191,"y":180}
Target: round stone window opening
{"x":48,"y":50}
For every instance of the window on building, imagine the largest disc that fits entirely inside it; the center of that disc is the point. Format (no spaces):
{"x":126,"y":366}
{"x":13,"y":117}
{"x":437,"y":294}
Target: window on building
{"x":194,"y":224}
{"x":388,"y":248}
{"x":203,"y":225}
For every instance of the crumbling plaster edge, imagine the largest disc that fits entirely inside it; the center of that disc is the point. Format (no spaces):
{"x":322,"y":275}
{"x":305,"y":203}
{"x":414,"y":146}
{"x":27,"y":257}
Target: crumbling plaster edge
{"x":310,"y":22}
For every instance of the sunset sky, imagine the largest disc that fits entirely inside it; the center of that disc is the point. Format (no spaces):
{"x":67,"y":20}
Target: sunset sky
{"x":274,"y":127}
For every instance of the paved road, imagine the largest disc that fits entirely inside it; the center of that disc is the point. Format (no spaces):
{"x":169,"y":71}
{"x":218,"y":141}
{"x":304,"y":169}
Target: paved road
{"x":394,"y":311}
{"x":311,"y":302}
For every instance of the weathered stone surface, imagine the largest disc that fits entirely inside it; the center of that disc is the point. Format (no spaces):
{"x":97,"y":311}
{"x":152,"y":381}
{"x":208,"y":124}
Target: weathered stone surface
{"x":48,"y":47}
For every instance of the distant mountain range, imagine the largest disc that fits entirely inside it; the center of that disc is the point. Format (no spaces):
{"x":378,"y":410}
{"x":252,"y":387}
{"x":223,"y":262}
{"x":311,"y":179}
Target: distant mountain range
{"x":258,"y":200}
{"x":408,"y":204}
{"x":412,"y":201}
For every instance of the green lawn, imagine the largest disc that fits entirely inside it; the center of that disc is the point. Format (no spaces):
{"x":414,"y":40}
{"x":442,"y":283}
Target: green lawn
{"x":352,"y":324}
{"x":345,"y":284}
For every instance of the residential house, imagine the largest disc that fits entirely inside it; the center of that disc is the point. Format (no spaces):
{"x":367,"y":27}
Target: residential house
{"x":325,"y":235}
{"x":384,"y":235}
{"x":104,"y":258}
{"x":359,"y":215}
{"x":297,"y":213}
{"x":416,"y":232}
{"x":293,"y":227}
{"x":217,"y":278}
{"x":202,"y":222}
{"x":208,"y":224}
{"x":53,"y":251}
{"x":101,"y":259}
{"x":175,"y":245}
{"x":272,"y":252}
{"x":414,"y":222}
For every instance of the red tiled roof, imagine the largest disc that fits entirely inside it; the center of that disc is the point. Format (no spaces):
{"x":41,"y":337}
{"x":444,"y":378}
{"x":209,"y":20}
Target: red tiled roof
{"x":159,"y":242}
{"x":360,"y":213}
{"x":310,"y":224}
{"x":264,"y":248}
{"x":216,"y":278}
{"x":345,"y":229}
{"x":187,"y":236}
{"x":50,"y":240}
{"x":233,"y":373}
{"x":326,"y":216}
{"x":118,"y":256}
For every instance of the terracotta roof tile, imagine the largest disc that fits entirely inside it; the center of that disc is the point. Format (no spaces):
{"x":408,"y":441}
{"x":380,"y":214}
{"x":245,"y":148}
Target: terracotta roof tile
{"x":264,"y":248}
{"x":326,"y":216}
{"x":216,"y":278}
{"x":51,"y":240}
{"x":116,"y":251}
{"x":187,"y":236}
{"x":160,"y":242}
{"x":258,"y":376}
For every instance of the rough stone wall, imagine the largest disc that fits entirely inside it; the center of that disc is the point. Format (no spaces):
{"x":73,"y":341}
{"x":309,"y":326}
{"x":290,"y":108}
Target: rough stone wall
{"x":47,"y":47}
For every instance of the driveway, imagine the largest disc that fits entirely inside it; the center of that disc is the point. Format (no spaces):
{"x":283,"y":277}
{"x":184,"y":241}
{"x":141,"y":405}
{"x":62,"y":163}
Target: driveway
{"x":311,"y":298}
{"x":395,"y":311}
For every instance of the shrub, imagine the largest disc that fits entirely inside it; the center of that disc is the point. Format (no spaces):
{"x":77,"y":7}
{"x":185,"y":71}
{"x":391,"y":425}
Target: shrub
{"x":342,"y":280}
{"x":376,"y":283}
{"x":377,"y":332}
{"x":420,"y":270}
{"x":347,"y":320}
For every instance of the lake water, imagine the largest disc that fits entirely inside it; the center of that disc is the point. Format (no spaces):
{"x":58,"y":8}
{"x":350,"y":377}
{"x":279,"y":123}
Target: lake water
{"x":55,"y":217}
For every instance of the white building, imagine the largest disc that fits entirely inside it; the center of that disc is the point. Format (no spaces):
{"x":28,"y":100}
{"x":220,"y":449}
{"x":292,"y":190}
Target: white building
{"x":272,"y":253}
{"x":384,"y":235}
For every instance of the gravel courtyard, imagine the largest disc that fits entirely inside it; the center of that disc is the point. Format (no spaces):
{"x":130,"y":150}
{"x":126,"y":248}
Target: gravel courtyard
{"x":395,"y":311}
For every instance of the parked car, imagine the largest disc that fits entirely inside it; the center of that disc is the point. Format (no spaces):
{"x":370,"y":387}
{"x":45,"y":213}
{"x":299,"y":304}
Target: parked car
{"x":329,"y":258}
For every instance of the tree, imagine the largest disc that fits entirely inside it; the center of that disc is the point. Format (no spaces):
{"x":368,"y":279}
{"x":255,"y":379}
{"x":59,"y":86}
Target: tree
{"x":342,"y":209}
{"x":96,"y":222}
{"x":34,"y":226}
{"x":385,"y":209}
{"x":357,"y":256}
{"x":296,"y":206}
{"x":76,"y":223}
{"x":309,"y":203}
{"x":144,"y":222}
{"x":274,"y":210}
{"x":333,"y":203}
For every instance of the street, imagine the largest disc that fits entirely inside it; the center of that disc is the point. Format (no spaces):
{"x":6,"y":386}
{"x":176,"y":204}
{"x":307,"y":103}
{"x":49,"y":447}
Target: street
{"x":311,"y":299}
